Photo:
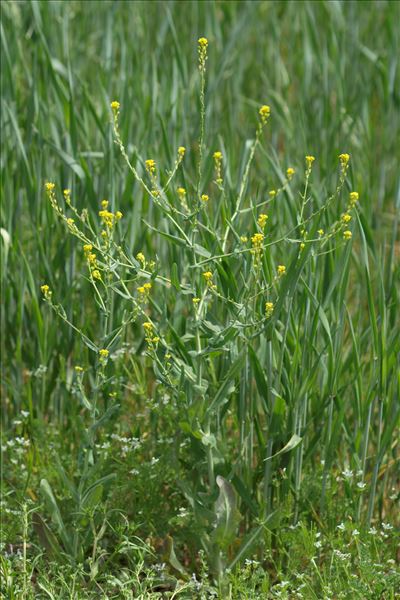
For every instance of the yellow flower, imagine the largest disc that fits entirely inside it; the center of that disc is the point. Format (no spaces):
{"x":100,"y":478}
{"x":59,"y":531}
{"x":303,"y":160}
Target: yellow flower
{"x":344,"y":159}
{"x":290,"y":172}
{"x":320,"y":232}
{"x":257,"y":240}
{"x":264,"y":113}
{"x":204,"y":198}
{"x":281,"y":270}
{"x":262,"y":220}
{"x":148,"y":327}
{"x":195,"y":300}
{"x":207,"y":276}
{"x":107,"y":217}
{"x":104,"y":353}
{"x":346,"y":218}
{"x":269,"y":309}
{"x":49,"y":186}
{"x":96,"y":274}
{"x":144,"y":291}
{"x":347,"y":234}
{"x":243,"y":239}
{"x":78,"y":369}
{"x":218,"y":161}
{"x":155,"y":340}
{"x":181,"y":191}
{"x":181,"y":151}
{"x":70,"y":221}
{"x":309,"y":160}
{"x":202,"y":49}
{"x":353,"y":199}
{"x":67,"y":194}
{"x":104,"y":203}
{"x":118,"y":215}
{"x":46,"y":290}
{"x":87,"y":248}
{"x":115,"y":105}
{"x":272,"y":193}
{"x":140,"y":257}
{"x":150,"y":165}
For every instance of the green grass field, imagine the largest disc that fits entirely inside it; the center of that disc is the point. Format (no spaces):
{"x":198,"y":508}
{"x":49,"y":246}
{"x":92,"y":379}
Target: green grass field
{"x":200,"y":300}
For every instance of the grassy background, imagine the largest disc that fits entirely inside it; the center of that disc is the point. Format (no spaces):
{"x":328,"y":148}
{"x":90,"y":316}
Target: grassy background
{"x":329,"y":71}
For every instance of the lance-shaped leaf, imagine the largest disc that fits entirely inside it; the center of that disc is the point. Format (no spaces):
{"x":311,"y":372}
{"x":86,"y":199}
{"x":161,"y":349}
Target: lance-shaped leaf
{"x":227,"y":516}
{"x":294,"y":441}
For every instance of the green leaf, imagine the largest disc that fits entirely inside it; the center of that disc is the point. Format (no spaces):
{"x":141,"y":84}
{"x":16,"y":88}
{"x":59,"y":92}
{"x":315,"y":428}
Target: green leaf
{"x":227,"y":516}
{"x":55,"y":514}
{"x":228,"y":386}
{"x":294,"y":441}
{"x":171,"y":558}
{"x":174,"y":277}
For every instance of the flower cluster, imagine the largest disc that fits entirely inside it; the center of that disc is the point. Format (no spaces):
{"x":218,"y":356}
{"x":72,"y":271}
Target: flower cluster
{"x":281,"y":270}
{"x":46,"y":291}
{"x":344,"y":160}
{"x":144,"y":292}
{"x":103,"y":355}
{"x":262,"y":220}
{"x":217,"y":156}
{"x":150,"y":338}
{"x":150,"y":166}
{"x":257,"y":245}
{"x":91,"y":260}
{"x":264,"y":113}
{"x":269,"y":309}
{"x":353,"y":199}
{"x":309,"y":160}
{"x":202,"y":51}
{"x":289,"y":173}
{"x":207,"y":275}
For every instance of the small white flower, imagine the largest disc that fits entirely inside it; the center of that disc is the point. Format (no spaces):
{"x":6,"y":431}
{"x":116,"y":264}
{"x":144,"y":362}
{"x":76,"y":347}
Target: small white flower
{"x":387,"y":526}
{"x":361,"y":485}
{"x":318,"y":544}
{"x":356,"y":532}
{"x":341,"y":527}
{"x":373,"y":531}
{"x":347,"y":474}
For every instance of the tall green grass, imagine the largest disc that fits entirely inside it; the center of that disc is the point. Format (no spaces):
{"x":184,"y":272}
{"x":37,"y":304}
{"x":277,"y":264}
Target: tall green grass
{"x":324,"y":368}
